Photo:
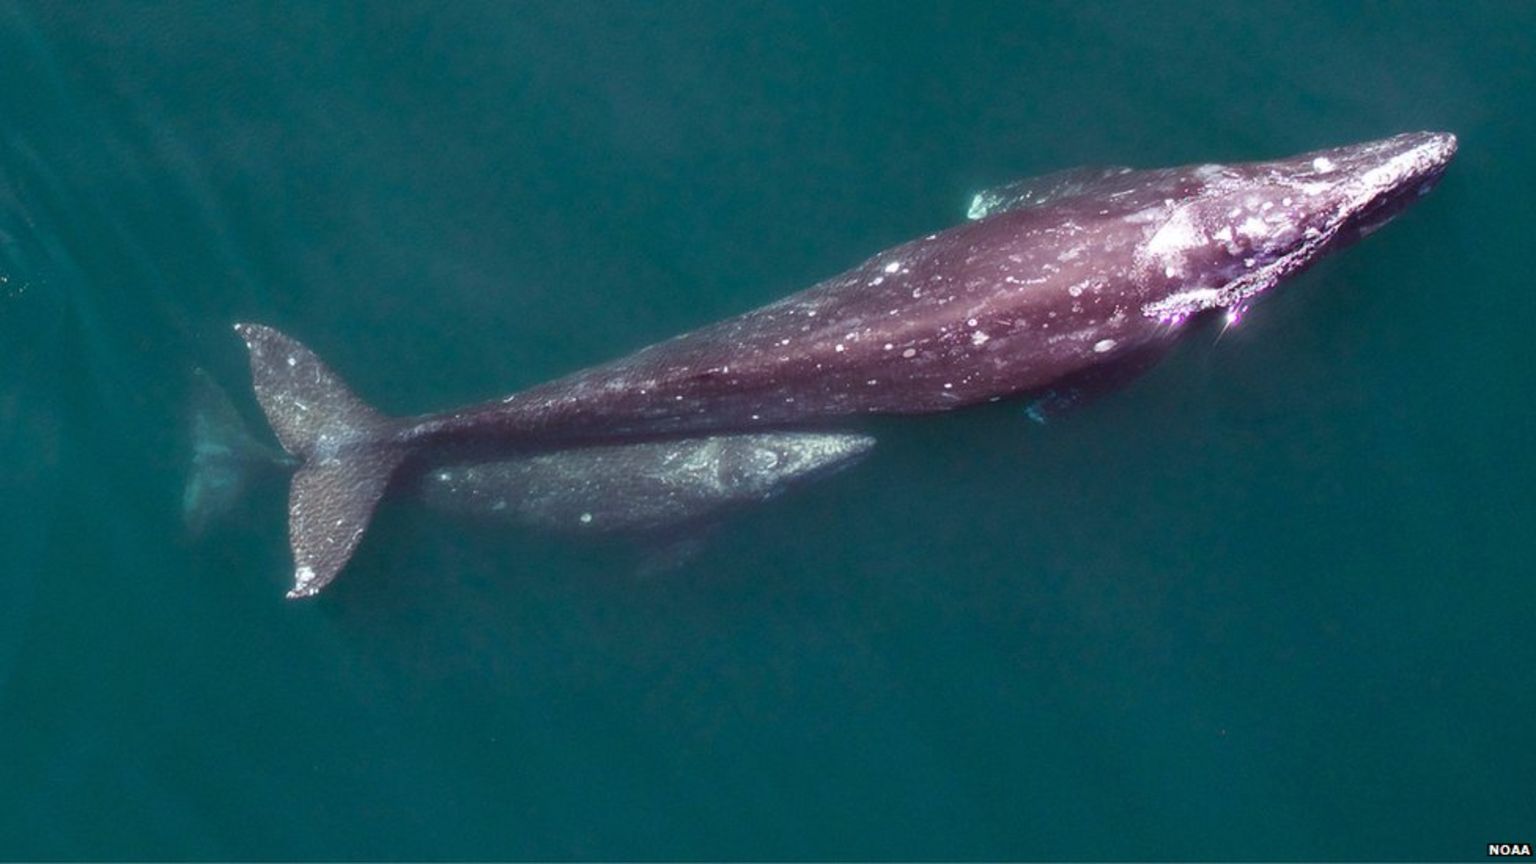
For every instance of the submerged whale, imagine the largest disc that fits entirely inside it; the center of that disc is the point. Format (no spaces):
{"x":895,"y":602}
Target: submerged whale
{"x":661,"y":493}
{"x":644,"y":487}
{"x":1072,"y":280}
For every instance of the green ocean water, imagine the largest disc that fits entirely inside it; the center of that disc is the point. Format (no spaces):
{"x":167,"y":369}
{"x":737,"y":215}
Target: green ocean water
{"x":1272,"y":601}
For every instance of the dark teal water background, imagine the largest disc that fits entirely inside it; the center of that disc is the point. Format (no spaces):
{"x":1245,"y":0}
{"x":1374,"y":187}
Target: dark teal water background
{"x":1273,"y":601}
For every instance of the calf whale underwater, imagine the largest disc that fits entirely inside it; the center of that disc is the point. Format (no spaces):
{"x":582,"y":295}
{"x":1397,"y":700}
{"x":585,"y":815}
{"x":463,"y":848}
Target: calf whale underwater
{"x":1079,"y":278}
{"x":662,"y":493}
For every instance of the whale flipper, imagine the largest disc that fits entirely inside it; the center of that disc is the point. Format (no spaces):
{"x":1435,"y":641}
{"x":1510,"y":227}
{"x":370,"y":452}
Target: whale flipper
{"x":1041,"y":190}
{"x":345,"y":446}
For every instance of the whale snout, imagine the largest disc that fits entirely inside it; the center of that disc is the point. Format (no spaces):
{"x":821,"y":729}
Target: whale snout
{"x":1386,"y":177}
{"x":1405,"y":162}
{"x":1253,"y":225}
{"x":1383,"y":161}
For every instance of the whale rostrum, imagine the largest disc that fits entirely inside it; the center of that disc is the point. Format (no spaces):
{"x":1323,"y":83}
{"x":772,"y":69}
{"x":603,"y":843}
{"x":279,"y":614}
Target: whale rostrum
{"x":1081,"y":277}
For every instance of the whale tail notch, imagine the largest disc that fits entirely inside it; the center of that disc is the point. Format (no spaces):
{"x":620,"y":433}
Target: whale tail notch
{"x":345,"y":448}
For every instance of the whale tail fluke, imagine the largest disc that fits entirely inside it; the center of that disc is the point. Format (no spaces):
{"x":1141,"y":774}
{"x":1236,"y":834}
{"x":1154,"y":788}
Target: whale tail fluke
{"x":346,"y":452}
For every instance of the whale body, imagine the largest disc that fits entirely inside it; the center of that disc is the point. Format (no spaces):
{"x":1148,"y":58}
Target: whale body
{"x":1079,"y":278}
{"x":645,"y":487}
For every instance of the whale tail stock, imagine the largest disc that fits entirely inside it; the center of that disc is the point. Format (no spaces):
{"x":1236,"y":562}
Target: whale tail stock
{"x":345,"y":448}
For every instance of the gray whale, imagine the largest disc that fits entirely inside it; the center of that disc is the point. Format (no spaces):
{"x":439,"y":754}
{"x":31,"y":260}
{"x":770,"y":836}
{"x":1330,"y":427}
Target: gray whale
{"x":643,"y":487}
{"x":1080,"y":277}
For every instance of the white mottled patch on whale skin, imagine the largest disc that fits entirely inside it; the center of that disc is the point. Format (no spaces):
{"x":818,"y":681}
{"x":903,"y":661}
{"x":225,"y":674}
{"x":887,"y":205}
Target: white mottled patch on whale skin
{"x":1389,"y":172}
{"x":1168,"y":247}
{"x":304,"y":579}
{"x":1253,"y":227}
{"x":1184,"y":303}
{"x":1176,"y":235}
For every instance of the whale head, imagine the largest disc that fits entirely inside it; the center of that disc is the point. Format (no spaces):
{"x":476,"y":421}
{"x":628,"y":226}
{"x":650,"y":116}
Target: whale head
{"x":1231,"y":232}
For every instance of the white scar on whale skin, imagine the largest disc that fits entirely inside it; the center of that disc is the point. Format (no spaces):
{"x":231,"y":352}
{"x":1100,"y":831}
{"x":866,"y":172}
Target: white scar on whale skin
{"x":1176,"y":235}
{"x":304,"y":579}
